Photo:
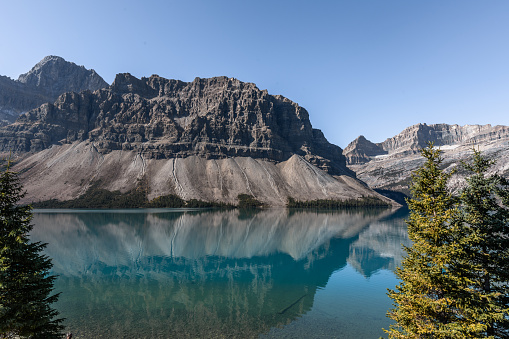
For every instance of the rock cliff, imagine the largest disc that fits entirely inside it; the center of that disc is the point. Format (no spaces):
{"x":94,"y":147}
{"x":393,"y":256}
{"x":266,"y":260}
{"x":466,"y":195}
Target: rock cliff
{"x":51,"y":77}
{"x":209,"y":139}
{"x":361,"y":150}
{"x":161,"y":119}
{"x":388,"y":165}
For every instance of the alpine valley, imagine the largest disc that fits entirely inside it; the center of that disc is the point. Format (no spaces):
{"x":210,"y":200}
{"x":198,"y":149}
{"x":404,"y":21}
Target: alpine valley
{"x":211,"y":140}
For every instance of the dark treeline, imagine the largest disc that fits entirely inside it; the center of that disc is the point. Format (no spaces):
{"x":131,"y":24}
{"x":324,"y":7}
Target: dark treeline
{"x":247,"y":201}
{"x":338,"y":204}
{"x":100,"y":198}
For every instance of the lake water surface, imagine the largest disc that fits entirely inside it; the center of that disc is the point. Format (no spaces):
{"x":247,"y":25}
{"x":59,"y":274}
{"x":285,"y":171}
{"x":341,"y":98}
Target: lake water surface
{"x":162,"y":273}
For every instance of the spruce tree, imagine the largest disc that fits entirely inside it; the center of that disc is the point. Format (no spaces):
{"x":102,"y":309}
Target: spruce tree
{"x":25,"y":282}
{"x":485,"y":202}
{"x":431,"y":300}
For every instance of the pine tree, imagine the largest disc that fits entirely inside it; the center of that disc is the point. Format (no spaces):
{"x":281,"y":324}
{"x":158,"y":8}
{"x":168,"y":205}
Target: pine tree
{"x":431,"y":300}
{"x":485,"y":203}
{"x":25,"y":282}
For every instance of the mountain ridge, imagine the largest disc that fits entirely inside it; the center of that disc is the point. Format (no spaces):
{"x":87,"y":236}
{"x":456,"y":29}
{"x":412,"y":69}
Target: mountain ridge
{"x":211,"y":139}
{"x":388,"y":165}
{"x":48,"y":79}
{"x":214,"y":118}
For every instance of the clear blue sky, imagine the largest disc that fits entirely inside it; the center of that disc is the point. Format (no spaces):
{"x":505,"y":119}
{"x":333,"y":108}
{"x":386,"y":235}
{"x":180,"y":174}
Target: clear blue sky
{"x":357,"y":66}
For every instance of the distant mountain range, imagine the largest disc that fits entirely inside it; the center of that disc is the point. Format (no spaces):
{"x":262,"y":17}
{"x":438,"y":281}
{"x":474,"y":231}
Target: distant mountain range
{"x":210,"y":139}
{"x":388,"y":165}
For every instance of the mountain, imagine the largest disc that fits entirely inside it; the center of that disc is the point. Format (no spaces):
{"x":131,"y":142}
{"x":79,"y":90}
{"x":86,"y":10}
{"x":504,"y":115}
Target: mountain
{"x":361,"y":150}
{"x":51,"y":77}
{"x":388,"y":165}
{"x":212,"y":118}
{"x":209,"y":139}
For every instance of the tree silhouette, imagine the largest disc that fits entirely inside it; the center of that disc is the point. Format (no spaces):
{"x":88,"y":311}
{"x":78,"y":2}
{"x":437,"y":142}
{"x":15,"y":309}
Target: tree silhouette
{"x":25,"y":282}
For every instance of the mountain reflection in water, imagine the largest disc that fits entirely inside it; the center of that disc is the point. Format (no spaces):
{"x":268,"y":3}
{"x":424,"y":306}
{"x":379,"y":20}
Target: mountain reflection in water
{"x":171,"y":273}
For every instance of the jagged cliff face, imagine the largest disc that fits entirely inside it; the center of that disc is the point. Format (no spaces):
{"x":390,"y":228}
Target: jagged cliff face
{"x":50,"y":78}
{"x":361,"y":150}
{"x":212,"y":118}
{"x":414,"y":138}
{"x":16,"y":98}
{"x":53,"y":76}
{"x":210,"y":139}
{"x":388,"y":165}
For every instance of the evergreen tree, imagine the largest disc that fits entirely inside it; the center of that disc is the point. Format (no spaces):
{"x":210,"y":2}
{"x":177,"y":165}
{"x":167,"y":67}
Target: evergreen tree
{"x":432,"y":300}
{"x":25,"y":282}
{"x":485,"y":203}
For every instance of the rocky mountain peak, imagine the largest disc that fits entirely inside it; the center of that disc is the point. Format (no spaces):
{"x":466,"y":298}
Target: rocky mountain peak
{"x":361,"y":150}
{"x":388,"y":165}
{"x":127,"y":83}
{"x":48,"y":62}
{"x":213,"y":118}
{"x":212,"y":139}
{"x":412,"y":139}
{"x":48,"y":79}
{"x":54,"y":75}
{"x":360,"y":140}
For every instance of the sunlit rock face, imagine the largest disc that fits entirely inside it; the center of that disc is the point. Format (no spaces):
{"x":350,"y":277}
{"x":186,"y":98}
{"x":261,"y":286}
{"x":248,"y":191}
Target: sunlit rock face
{"x":388,"y":165}
{"x":161,"y":118}
{"x":47,"y":80}
{"x":210,"y":139}
{"x":204,"y":274}
{"x":361,"y":150}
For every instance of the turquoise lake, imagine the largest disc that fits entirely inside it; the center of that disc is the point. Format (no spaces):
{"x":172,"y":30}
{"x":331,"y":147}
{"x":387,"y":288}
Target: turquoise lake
{"x":277,"y":273}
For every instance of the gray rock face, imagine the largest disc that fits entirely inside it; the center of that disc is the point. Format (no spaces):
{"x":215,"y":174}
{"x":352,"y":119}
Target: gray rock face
{"x":210,"y":139}
{"x":389,"y":164}
{"x":16,"y":98}
{"x":161,"y":119}
{"x":415,"y":137}
{"x":44,"y":83}
{"x":53,"y":76}
{"x":361,"y":150}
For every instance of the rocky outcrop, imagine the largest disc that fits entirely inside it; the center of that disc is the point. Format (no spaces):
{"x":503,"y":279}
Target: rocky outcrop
{"x":16,"y":98}
{"x":159,"y":118}
{"x":414,"y":138}
{"x":391,"y":166}
{"x":210,"y":139}
{"x":53,"y":76}
{"x":50,"y":78}
{"x":361,"y":150}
